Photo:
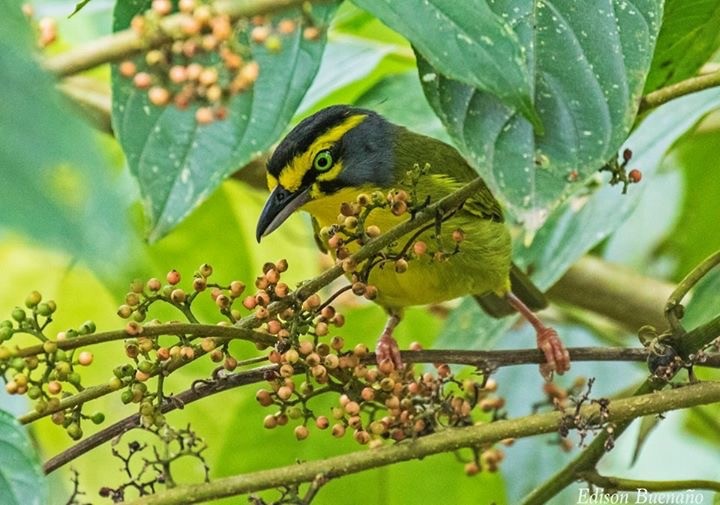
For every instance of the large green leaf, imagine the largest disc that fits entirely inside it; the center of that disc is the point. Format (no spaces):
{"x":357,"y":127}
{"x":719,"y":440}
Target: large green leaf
{"x":177,"y":162}
{"x":688,"y":38}
{"x":466,"y":41}
{"x":56,"y":185}
{"x":588,"y":62}
{"x":585,"y":220}
{"x":22,"y":481}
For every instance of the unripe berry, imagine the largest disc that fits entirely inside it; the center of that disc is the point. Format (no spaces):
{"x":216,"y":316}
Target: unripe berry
{"x":284,"y":393}
{"x":371,"y":292}
{"x":125,"y":311}
{"x":204,"y":115}
{"x":311,"y":33}
{"x":142,"y":80}
{"x":162,"y":7}
{"x":127,"y":68}
{"x":401,"y":266}
{"x":338,"y":430}
{"x":259,"y":34}
{"x":419,"y":248}
{"x":18,"y":314}
{"x":373,"y":231}
{"x":178,"y":295}
{"x":54,"y":387}
{"x":33,"y":299}
{"x":85,"y":358}
{"x":154,"y":284}
{"x":158,"y":96}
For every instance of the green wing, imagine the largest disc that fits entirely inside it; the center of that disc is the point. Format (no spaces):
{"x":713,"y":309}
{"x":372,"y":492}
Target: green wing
{"x":445,"y":163}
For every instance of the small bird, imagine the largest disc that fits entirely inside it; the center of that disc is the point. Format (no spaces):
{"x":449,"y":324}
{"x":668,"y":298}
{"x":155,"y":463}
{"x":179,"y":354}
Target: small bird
{"x":342,"y":152}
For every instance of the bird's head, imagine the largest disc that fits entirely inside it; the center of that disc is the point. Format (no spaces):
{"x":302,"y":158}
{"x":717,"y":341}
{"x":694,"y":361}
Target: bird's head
{"x":336,"y":148}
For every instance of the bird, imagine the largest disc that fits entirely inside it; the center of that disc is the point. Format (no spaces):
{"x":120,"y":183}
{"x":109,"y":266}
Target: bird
{"x":343,"y":152}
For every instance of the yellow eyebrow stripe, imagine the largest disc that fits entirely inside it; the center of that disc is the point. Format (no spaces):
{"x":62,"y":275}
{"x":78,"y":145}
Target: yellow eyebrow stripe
{"x":292,"y":175}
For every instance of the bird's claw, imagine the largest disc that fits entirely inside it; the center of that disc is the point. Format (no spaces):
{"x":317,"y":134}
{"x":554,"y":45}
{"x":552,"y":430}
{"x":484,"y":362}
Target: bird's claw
{"x":557,"y":358}
{"x":387,"y":349}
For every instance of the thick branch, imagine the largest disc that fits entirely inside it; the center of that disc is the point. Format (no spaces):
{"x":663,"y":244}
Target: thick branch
{"x":620,"y":411}
{"x":690,"y":343}
{"x":480,"y":359}
{"x":615,"y":292}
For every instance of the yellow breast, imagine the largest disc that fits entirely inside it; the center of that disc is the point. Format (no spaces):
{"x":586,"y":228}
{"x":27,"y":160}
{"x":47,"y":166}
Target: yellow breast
{"x":480,"y":266}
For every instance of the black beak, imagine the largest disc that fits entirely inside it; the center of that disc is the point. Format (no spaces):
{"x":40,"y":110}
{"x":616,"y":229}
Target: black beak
{"x":278,"y":207}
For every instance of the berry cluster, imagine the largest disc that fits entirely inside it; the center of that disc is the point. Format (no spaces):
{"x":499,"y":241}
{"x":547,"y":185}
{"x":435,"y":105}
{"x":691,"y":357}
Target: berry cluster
{"x":48,"y":375}
{"x":375,"y":403}
{"x":352,"y":231}
{"x":618,"y":171}
{"x":152,"y":357}
{"x":208,"y":60}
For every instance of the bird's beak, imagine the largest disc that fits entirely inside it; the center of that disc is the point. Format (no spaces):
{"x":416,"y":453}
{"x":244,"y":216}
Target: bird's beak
{"x":278,"y":207}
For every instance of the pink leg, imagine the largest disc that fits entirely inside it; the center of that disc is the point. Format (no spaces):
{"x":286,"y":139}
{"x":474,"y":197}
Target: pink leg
{"x":557,"y":359}
{"x":387,"y":347}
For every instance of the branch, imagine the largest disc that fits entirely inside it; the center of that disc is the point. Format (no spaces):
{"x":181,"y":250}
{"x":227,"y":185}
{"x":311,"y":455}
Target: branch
{"x":126,"y":43}
{"x":620,"y":411}
{"x":94,"y":392}
{"x":480,"y":359}
{"x":682,"y":88}
{"x":622,"y":484}
{"x":687,"y":344}
{"x":596,"y":285}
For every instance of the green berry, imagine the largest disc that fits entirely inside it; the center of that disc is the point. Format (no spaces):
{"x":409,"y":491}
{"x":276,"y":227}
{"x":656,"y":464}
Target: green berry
{"x":5,"y":333}
{"x":33,"y":299}
{"x":88,"y":327}
{"x":19,"y":314}
{"x":115,"y":383}
{"x":127,"y":396}
{"x":74,"y":431}
{"x":44,"y":309}
{"x":98,"y":418}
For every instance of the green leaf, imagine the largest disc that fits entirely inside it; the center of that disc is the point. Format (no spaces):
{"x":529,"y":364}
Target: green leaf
{"x":177,"y":162}
{"x":588,"y":66}
{"x":586,"y":219}
{"x":344,"y":62}
{"x":22,"y":480}
{"x":688,"y":38}
{"x":400,"y":99}
{"x":466,"y":41}
{"x":696,"y":235}
{"x":647,"y":425}
{"x":57,"y":188}
{"x":78,"y":7}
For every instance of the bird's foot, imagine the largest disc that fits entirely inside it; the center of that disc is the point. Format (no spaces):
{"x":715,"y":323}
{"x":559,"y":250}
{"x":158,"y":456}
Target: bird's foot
{"x":557,"y":358}
{"x":387,"y":349}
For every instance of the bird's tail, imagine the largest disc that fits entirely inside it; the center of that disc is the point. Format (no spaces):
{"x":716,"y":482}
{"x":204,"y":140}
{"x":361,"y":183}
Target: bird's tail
{"x":522,"y":286}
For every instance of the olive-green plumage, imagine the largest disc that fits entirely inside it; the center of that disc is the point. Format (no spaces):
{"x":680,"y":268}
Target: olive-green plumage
{"x":341,"y":152}
{"x":376,"y":155}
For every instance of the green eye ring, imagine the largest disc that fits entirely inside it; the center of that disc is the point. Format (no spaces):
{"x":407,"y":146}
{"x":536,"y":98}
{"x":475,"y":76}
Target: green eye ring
{"x":323,"y":161}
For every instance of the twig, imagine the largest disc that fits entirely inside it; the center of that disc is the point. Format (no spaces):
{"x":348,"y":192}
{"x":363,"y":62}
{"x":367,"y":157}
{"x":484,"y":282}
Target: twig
{"x":127,"y":43}
{"x":682,"y":88}
{"x":682,"y":289}
{"x":622,"y":484}
{"x":692,"y":342}
{"x":622,"y":410}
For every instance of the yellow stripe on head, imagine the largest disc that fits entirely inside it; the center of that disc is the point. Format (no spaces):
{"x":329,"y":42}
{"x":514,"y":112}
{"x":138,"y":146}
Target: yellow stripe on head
{"x":292,"y":175}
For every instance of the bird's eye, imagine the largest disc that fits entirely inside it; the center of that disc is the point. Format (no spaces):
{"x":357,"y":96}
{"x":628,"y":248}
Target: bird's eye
{"x":323,"y":161}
